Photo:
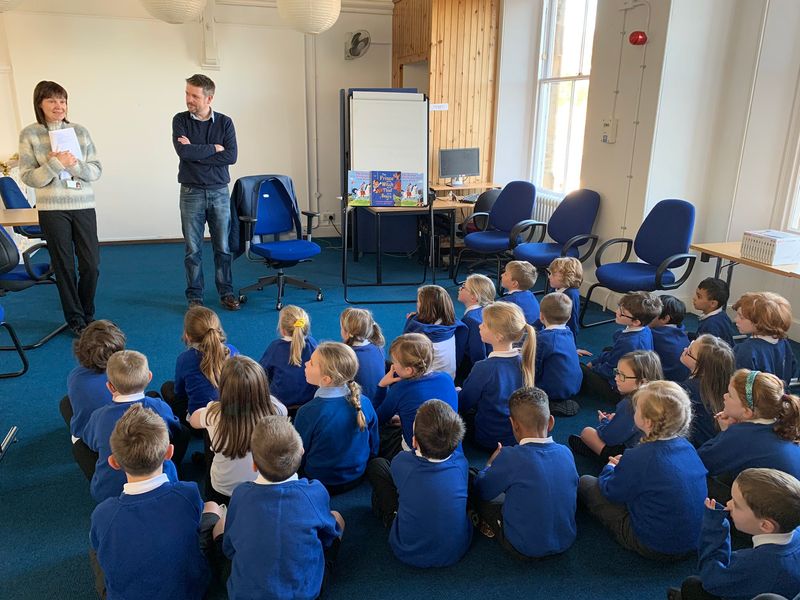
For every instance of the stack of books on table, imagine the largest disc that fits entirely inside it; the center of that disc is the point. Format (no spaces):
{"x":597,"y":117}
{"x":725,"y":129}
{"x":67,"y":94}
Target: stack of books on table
{"x":771,"y":247}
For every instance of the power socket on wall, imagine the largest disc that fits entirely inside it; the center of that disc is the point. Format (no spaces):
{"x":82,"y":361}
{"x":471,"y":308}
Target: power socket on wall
{"x":327,"y":218}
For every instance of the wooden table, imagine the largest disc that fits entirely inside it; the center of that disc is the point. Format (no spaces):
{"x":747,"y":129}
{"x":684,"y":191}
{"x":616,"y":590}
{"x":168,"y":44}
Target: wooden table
{"x":17,"y":217}
{"x":731,"y":251}
{"x":472,"y":185}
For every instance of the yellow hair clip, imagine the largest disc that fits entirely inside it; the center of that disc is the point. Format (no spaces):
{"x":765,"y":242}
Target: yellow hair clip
{"x":300,"y":323}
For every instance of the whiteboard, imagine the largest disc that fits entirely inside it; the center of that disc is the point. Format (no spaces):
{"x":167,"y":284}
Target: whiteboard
{"x":389,"y":132}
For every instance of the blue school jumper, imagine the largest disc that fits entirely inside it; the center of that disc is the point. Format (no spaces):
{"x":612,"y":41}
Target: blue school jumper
{"x":288,"y":382}
{"x":275,"y":535}
{"x":108,"y":482}
{"x":190,"y":381}
{"x":147,"y":544}
{"x":663,"y":485}
{"x":622,"y":342}
{"x":488,"y":387}
{"x":669,"y":341}
{"x":475,"y":349}
{"x":621,"y":430}
{"x":449,"y":342}
{"x":526,"y":301}
{"x":757,"y":354}
{"x":718,"y":324}
{"x":336,"y":450}
{"x":540,"y":484}
{"x":574,"y":320}
{"x":407,"y":395}
{"x":558,"y":368}
{"x":748,"y":444}
{"x":742,"y":575}
{"x":704,"y":426}
{"x":371,"y":368}
{"x":431,"y":528}
{"x":87,"y":391}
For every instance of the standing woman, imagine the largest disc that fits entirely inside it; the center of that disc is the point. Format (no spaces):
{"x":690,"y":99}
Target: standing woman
{"x":65,"y":203}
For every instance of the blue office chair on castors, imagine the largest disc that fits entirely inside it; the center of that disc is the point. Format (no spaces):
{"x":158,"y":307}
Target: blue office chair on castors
{"x":662,"y":243}
{"x":509,"y":217}
{"x":276,"y":213}
{"x":14,"y":198}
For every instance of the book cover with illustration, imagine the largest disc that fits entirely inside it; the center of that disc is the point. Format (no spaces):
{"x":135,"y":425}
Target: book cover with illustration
{"x":385,"y":187}
{"x":359,"y":186}
{"x":411,"y":188}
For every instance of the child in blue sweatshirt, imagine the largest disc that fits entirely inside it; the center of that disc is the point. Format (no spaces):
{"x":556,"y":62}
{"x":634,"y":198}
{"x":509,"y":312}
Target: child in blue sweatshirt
{"x":526,"y":495}
{"x":280,"y":532}
{"x":436,"y":319}
{"x":339,"y":427}
{"x":767,"y":317}
{"x":423,"y":493}
{"x":558,"y":368}
{"x":711,"y":299}
{"x":128,"y":376}
{"x":475,"y":293}
{"x":566,"y":276}
{"x":483,"y":401}
{"x":635,"y":311}
{"x":284,"y":358}
{"x":766,"y":505}
{"x":360,"y":331}
{"x":617,"y":431}
{"x":652,"y":496}
{"x":670,"y":339}
{"x":710,"y":362}
{"x":760,"y":428}
{"x":518,"y":279}
{"x":407,"y":385}
{"x":145,"y":541}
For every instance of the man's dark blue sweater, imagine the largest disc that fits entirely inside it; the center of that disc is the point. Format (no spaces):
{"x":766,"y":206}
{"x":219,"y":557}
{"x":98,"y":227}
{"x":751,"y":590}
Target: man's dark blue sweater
{"x":201,"y":166}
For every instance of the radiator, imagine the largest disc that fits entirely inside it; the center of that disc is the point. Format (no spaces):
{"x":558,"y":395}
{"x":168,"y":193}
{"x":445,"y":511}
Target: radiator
{"x":546,"y":203}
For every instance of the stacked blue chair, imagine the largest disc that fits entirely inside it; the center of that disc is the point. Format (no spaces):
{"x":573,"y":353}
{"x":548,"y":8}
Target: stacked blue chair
{"x":661,"y":244}
{"x":14,"y":198}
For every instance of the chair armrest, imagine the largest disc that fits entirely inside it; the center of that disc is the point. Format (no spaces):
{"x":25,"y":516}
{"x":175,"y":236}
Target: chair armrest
{"x":665,"y":265}
{"x":605,"y":245}
{"x":579,"y":240}
{"x":249,"y":223}
{"x":310,"y":214}
{"x":526,"y":225}
{"x":472,"y":218}
{"x":26,"y":259}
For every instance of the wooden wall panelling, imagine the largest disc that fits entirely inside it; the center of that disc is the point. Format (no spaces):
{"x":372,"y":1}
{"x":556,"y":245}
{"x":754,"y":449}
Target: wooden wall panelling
{"x":411,"y":35}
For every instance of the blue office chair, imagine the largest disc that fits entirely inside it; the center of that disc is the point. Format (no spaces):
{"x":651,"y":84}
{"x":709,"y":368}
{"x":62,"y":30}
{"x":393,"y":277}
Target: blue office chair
{"x":17,"y":347}
{"x":662,"y":243}
{"x":501,"y":232}
{"x":14,"y":198}
{"x":276,"y":213}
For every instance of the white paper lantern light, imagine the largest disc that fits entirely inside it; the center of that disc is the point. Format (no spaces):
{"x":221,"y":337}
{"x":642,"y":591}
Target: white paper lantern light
{"x":310,"y":16}
{"x":9,"y":4}
{"x":175,"y":11}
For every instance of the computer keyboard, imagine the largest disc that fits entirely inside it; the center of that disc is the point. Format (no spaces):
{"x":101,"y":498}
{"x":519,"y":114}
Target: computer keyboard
{"x":471,"y":199}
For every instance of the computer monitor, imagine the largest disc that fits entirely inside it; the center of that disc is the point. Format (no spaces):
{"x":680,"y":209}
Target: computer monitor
{"x":459,"y":163}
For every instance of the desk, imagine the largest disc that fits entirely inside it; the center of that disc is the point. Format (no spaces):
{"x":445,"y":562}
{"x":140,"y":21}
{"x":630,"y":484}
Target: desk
{"x":17,"y":217}
{"x":731,"y":251}
{"x":473,"y":185}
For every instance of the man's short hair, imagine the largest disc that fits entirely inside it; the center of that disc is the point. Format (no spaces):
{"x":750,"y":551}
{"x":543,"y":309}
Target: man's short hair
{"x":556,"y":307}
{"x":438,"y":429}
{"x":139,"y":441}
{"x":673,"y":308}
{"x":128,"y":372}
{"x":277,"y":448}
{"x":643,"y":306}
{"x":772,"y":494}
{"x":530,"y":407}
{"x":716,"y":290}
{"x":202,"y":81}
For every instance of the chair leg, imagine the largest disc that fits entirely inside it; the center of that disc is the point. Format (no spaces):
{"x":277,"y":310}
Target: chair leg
{"x":260,"y":284}
{"x":458,"y":266}
{"x":586,"y":305}
{"x":301,"y":283}
{"x":39,"y":343}
{"x":20,"y":352}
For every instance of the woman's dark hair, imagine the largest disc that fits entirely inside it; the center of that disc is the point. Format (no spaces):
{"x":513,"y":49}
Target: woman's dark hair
{"x":43,"y":91}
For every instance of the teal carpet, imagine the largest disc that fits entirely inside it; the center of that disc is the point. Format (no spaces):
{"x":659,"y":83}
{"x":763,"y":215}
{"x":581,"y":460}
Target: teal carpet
{"x":45,"y":499}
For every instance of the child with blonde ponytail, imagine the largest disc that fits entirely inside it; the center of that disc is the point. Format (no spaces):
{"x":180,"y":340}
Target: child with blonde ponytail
{"x":360,"y":331}
{"x":338,"y":426}
{"x":284,"y":358}
{"x":483,"y":401}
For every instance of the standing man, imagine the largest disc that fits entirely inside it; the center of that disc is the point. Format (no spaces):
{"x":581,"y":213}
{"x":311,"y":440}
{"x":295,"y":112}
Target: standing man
{"x":206,"y":145}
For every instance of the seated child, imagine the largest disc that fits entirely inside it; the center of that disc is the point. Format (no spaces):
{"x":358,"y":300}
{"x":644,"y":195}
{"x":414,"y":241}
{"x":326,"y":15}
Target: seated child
{"x":407,"y":385}
{"x":423,"y":494}
{"x":760,"y":428}
{"x":711,"y":299}
{"x":304,"y":533}
{"x":635,"y":311}
{"x":651,"y":497}
{"x":475,"y":293}
{"x":526,"y":495}
{"x":518,"y":279}
{"x":146,"y":539}
{"x":566,"y":276}
{"x":710,"y":362}
{"x":284,"y":358}
{"x":669,"y":338}
{"x":436,"y":319}
{"x":766,"y":505}
{"x":339,"y":427}
{"x":558,"y":368}
{"x":360,"y":331}
{"x":617,"y":431}
{"x":128,"y":376}
{"x":484,"y":398}
{"x":767,"y":317}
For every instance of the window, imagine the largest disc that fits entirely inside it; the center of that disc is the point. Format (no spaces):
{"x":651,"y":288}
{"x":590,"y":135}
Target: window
{"x":565,"y":60}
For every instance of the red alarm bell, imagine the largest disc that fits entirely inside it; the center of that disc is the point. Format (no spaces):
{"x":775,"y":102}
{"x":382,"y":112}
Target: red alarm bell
{"x":638,"y":38}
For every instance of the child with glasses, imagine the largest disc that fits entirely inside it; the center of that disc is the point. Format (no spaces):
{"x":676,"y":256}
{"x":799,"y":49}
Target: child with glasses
{"x":635,"y":311}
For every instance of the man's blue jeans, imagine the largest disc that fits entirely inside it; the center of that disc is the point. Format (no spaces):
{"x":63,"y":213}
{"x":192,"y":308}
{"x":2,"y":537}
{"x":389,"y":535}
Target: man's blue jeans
{"x":199,"y":206}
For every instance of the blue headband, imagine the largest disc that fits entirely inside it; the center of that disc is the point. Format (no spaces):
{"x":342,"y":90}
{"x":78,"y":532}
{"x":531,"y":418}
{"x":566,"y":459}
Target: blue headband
{"x":748,"y":387}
